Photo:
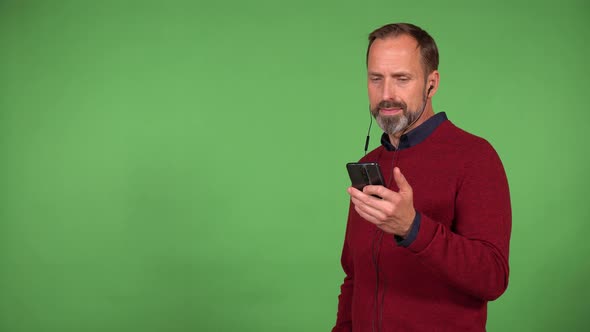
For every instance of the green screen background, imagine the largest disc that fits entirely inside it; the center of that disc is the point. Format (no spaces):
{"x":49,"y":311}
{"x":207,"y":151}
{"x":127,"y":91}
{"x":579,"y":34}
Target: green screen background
{"x":179,"y":166}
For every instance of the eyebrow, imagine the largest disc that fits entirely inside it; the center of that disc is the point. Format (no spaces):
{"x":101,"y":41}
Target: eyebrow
{"x":397,"y":74}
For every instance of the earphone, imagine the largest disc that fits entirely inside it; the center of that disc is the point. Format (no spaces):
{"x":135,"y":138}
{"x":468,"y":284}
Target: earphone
{"x":429,"y":89}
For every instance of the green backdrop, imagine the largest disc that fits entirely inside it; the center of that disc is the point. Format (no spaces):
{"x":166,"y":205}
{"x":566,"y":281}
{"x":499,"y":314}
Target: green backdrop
{"x":179,"y":165}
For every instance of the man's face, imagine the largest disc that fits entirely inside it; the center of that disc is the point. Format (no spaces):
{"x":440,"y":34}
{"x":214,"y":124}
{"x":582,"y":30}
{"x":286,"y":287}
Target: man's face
{"x":395,"y":82}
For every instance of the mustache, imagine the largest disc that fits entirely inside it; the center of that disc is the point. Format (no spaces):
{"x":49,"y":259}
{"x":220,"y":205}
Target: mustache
{"x":392,"y":104}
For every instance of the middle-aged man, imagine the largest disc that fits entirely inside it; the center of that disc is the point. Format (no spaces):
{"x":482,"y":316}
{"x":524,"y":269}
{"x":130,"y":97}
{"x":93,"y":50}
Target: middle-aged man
{"x":428,"y":250}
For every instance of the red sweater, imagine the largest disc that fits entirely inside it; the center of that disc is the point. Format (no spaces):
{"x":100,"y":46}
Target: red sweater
{"x":459,"y":260}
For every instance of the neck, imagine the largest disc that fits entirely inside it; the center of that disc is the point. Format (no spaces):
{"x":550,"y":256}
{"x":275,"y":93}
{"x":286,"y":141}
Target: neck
{"x":394,"y":139}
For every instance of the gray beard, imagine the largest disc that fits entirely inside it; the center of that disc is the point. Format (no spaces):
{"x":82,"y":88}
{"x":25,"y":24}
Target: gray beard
{"x":393,"y":125}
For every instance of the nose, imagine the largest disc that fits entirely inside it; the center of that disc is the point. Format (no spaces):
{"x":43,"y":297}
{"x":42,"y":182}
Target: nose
{"x":388,"y":92}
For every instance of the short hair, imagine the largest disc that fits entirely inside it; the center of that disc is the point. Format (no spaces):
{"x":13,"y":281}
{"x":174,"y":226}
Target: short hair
{"x":428,"y":49}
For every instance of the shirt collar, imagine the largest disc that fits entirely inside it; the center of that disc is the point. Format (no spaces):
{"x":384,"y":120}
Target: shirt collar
{"x":416,"y":135}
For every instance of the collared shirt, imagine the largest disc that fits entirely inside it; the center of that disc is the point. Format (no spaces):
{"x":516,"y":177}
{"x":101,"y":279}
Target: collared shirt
{"x":412,"y":138}
{"x":416,"y":135}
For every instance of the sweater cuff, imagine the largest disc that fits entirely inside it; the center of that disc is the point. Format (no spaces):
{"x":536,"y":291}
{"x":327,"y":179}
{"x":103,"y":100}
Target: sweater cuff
{"x":428,"y":229}
{"x":412,"y":234}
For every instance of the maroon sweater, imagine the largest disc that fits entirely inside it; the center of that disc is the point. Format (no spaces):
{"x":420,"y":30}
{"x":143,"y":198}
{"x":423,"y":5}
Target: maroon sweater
{"x":458,"y":261}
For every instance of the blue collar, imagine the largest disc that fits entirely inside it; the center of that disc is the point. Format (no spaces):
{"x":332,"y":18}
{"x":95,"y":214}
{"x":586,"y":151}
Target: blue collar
{"x":416,"y":135}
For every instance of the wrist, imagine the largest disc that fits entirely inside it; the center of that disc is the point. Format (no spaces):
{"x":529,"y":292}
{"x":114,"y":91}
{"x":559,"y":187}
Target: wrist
{"x":409,"y":226}
{"x":412,"y":233}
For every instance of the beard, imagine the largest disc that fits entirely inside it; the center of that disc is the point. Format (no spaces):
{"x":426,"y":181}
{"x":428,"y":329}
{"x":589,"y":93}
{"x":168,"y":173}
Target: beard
{"x":394,"y":124}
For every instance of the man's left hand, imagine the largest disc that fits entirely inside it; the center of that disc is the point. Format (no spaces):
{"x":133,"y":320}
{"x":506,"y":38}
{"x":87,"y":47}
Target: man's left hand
{"x":394,"y":213}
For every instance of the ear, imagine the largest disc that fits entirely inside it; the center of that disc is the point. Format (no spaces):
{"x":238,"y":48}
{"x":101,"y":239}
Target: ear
{"x":432,"y":84}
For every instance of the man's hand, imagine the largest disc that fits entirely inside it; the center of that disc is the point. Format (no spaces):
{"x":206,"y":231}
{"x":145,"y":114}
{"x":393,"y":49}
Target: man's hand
{"x":394,"y":213}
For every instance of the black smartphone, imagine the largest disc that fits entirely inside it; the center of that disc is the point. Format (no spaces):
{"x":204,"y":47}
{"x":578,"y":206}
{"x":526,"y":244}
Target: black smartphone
{"x":363,"y":174}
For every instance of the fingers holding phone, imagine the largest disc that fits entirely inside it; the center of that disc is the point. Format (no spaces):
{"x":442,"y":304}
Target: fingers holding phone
{"x":394,"y":213}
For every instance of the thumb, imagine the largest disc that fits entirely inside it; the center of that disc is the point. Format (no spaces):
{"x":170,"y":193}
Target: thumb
{"x":402,"y":183}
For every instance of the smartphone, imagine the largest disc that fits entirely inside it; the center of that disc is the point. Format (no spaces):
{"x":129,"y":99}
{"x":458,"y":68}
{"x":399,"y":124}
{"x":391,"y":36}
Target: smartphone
{"x":363,"y":174}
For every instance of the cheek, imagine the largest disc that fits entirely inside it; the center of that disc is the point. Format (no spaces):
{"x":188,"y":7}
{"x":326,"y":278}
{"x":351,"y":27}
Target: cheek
{"x":417,"y":99}
{"x":409,"y":97}
{"x":374,"y":96}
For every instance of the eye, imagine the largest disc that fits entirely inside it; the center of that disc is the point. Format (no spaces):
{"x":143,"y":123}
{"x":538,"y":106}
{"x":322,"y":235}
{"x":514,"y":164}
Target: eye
{"x":375,"y":79}
{"x":403,"y":79}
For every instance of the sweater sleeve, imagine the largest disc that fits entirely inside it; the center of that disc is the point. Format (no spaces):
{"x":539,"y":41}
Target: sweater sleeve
{"x":344,"y":316}
{"x":472,"y":254}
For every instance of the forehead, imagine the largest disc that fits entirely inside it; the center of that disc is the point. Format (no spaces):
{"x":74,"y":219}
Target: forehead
{"x":401,"y":52}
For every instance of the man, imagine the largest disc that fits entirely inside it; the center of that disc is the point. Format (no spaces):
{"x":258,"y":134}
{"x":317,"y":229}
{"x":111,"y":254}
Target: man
{"x":428,"y":250}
